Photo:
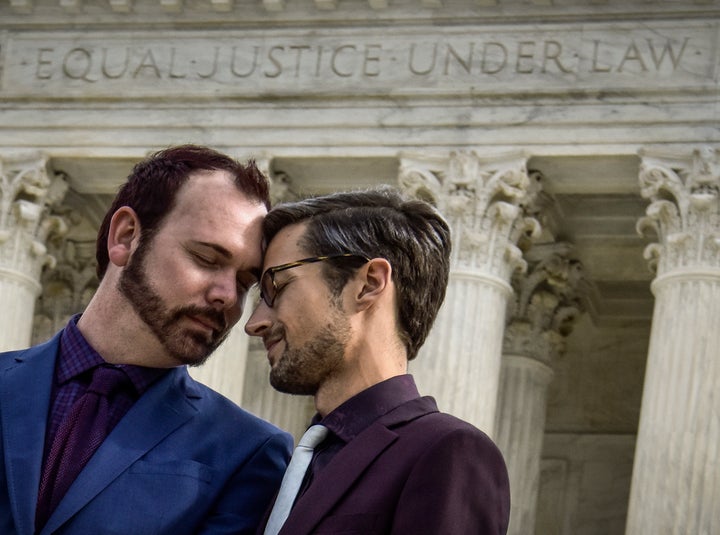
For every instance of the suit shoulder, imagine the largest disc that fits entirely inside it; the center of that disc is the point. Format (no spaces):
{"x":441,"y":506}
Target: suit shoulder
{"x":16,"y":354}
{"x":217,"y":407}
{"x":446,"y":427}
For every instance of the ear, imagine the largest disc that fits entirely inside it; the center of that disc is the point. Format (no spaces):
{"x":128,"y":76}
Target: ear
{"x":123,"y":235}
{"x":376,"y":282}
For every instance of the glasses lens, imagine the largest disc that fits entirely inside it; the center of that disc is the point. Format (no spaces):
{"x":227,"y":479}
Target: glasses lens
{"x":267,"y":289}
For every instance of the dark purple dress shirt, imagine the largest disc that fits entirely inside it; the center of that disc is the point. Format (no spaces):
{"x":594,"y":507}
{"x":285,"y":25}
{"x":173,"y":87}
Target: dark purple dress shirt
{"x":72,"y":377}
{"x":355,"y":415}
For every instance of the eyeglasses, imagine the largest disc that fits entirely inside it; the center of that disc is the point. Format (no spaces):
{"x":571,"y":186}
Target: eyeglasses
{"x":268,"y":288}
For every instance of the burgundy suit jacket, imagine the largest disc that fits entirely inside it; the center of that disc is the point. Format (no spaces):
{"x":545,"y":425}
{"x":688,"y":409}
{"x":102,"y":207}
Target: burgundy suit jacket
{"x":414,"y":471}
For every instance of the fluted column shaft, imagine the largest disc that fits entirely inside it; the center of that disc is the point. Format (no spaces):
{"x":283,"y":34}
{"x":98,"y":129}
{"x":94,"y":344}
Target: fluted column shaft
{"x":676,"y":474}
{"x":26,"y":195}
{"x":541,"y":314}
{"x":459,"y":364}
{"x":482,"y":200}
{"x":522,"y":402}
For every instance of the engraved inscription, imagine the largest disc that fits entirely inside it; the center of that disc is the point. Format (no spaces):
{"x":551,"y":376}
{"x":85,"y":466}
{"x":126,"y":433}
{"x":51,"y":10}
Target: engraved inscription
{"x":294,"y":63}
{"x":92,"y":64}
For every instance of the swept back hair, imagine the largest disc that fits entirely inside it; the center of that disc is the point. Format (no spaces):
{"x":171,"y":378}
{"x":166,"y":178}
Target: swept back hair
{"x":381,"y":222}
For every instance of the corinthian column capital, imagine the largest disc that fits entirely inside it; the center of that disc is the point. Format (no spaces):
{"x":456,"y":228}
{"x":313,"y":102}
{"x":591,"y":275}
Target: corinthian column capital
{"x":684,"y":211}
{"x":67,"y":288}
{"x":484,"y":200}
{"x":546,"y":303}
{"x":279,"y":180}
{"x":27,"y":194}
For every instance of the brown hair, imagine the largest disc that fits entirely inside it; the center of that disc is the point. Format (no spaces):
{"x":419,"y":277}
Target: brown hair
{"x":153,"y":184}
{"x":409,"y":233}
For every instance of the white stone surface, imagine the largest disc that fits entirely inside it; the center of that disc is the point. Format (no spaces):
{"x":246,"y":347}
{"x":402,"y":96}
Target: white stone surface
{"x":480,"y":197}
{"x":457,"y":60}
{"x":459,"y":365}
{"x":522,"y":401}
{"x":676,"y":476}
{"x":26,"y":195}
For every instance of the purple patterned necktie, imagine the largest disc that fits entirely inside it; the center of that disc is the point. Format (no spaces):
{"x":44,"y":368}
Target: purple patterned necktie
{"x":79,"y":435}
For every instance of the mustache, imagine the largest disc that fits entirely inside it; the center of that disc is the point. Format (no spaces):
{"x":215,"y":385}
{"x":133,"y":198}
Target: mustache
{"x":214,"y":316}
{"x":276,"y":333}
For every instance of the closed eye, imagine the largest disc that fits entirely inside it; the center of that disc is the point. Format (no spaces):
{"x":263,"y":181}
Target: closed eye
{"x":280,"y":286}
{"x":204,"y":260}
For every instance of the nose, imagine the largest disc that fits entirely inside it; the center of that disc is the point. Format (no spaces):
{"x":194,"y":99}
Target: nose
{"x":223,"y":293}
{"x":259,"y":320}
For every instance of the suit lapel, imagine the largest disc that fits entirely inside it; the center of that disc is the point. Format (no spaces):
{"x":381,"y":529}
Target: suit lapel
{"x":162,"y":409}
{"x":349,"y":464}
{"x":24,"y":400}
{"x":337,"y":477}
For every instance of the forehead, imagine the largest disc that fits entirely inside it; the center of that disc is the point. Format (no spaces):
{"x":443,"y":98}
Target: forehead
{"x":285,"y":246}
{"x":210,"y":207}
{"x":212,"y":193}
{"x":206,"y":186}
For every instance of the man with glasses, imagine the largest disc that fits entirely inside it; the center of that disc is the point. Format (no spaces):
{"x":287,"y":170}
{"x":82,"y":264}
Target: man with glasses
{"x":352,"y":283}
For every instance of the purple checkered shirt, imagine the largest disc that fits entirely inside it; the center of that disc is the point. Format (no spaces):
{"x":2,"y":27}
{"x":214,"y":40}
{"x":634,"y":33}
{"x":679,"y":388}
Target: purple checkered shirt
{"x":72,"y":377}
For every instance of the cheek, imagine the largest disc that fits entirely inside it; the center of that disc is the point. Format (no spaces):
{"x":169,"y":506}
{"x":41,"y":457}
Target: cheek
{"x":301,"y":325}
{"x":177,"y":283}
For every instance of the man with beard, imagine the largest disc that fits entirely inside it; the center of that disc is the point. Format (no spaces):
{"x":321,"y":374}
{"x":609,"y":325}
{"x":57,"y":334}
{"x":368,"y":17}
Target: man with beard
{"x":103,"y":430}
{"x":352,"y":284}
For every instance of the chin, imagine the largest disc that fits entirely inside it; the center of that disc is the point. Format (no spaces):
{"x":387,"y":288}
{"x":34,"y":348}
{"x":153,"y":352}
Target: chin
{"x":292,"y":388}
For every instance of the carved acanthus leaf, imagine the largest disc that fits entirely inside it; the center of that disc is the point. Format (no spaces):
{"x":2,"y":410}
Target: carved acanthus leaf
{"x":28,"y":195}
{"x":484,"y":201}
{"x":684,"y":212}
{"x":546,"y":303}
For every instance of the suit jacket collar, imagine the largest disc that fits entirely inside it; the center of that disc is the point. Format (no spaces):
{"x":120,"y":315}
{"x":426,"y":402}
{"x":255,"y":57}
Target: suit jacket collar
{"x":25,"y":381}
{"x":359,"y":412}
{"x":348,"y":465}
{"x":167,"y":405}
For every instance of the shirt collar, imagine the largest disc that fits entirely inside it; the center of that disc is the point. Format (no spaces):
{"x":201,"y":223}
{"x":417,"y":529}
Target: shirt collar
{"x":360,"y":411}
{"x":77,"y":357}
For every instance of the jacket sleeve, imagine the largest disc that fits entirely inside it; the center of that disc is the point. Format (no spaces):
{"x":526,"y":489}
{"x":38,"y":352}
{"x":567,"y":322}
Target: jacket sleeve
{"x":247,"y":494}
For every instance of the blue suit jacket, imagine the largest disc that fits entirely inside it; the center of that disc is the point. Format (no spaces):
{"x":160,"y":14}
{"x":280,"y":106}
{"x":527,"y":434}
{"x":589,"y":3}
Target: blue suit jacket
{"x":183,"y":460}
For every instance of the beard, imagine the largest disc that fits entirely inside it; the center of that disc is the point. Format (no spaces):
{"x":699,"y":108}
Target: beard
{"x":303,"y":369}
{"x":184,"y":345}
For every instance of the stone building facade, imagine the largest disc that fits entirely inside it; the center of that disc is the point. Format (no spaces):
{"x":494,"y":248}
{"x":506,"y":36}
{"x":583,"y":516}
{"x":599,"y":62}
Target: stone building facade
{"x":572,"y":144}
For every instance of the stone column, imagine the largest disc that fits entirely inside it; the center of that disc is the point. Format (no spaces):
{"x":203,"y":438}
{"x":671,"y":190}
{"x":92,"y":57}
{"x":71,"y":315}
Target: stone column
{"x":676,"y":474}
{"x":540,"y":316}
{"x":27,"y":194}
{"x":483,"y":200}
{"x":292,"y":413}
{"x":67,"y":289}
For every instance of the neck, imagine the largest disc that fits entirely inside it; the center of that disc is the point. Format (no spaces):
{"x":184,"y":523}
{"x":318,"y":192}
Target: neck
{"x":114,"y":330}
{"x":360,"y":373}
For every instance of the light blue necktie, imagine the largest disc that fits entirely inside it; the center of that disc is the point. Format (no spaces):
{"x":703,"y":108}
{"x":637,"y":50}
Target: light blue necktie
{"x":293,"y":477}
